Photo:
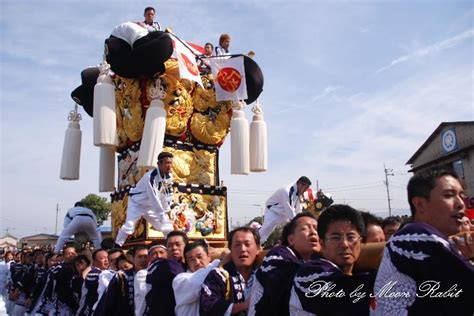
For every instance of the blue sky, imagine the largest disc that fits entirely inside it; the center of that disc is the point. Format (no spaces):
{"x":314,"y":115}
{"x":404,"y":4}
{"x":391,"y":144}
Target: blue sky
{"x":349,"y":86}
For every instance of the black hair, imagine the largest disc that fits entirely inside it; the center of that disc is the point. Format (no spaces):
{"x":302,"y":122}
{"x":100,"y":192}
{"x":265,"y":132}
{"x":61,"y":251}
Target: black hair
{"x":369,"y":219}
{"x":390,"y":221}
{"x":114,"y":250}
{"x":149,"y":8}
{"x":82,"y":257}
{"x":69,"y":245}
{"x":421,"y":184}
{"x":304,"y":180}
{"x":135,"y":249}
{"x":48,"y":256}
{"x":244,"y":229}
{"x":37,"y":251}
{"x":107,"y":243}
{"x":194,"y":245}
{"x":340,"y":212}
{"x":290,"y":228}
{"x":164,"y":155}
{"x":94,"y":254}
{"x":177,"y":233}
{"x":78,"y":204}
{"x":209,"y":44}
{"x":122,"y":258}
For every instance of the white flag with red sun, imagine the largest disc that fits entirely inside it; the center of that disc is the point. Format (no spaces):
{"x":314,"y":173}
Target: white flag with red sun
{"x":188,"y":68}
{"x":229,"y":78}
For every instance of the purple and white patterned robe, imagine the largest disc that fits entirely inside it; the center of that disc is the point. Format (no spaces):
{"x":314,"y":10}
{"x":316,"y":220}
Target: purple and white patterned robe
{"x":416,"y":260}
{"x":273,"y":280}
{"x":119,"y":298}
{"x":90,"y":293}
{"x":160,"y":297}
{"x":321,"y":288}
{"x":223,"y":287}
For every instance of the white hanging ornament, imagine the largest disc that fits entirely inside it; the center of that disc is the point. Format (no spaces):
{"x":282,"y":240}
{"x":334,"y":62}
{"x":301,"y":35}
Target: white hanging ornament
{"x":105,"y":117}
{"x":71,"y":158}
{"x":154,"y":131}
{"x":239,"y":140}
{"x":107,"y":169}
{"x":258,"y":141}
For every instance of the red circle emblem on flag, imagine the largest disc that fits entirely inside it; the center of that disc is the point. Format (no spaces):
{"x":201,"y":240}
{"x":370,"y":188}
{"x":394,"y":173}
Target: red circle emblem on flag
{"x":229,"y":79}
{"x":189,"y":65}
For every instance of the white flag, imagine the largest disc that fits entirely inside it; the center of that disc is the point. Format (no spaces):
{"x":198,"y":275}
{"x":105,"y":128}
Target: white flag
{"x":188,"y":68}
{"x":229,"y":78}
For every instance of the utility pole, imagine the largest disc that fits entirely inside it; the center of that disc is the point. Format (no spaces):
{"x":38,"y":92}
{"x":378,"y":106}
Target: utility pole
{"x":388,"y":172}
{"x":57,"y":212}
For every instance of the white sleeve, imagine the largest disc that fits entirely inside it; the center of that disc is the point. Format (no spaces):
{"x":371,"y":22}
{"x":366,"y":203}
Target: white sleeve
{"x":154,"y":199}
{"x":285,"y":203}
{"x":83,"y":296}
{"x":228,"y":312}
{"x":140,"y":290}
{"x":104,"y":279}
{"x":141,"y":308}
{"x":187,"y":286}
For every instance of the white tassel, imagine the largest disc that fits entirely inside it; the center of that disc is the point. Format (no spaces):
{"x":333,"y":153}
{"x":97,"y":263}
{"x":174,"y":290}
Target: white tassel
{"x":153,"y":135}
{"x":107,"y":169}
{"x":155,"y":126}
{"x":105,"y":122}
{"x":71,"y":158}
{"x":258,"y":141}
{"x":239,"y":143}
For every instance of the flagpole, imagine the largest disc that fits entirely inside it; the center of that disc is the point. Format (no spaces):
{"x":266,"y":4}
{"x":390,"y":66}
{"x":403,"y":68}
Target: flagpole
{"x":250,"y":54}
{"x":182,"y":42}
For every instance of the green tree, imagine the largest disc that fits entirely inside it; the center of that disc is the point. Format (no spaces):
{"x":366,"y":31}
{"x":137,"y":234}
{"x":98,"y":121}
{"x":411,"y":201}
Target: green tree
{"x":99,"y":206}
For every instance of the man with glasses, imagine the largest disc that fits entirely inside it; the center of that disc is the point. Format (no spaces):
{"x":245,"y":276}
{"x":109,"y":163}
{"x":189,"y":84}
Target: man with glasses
{"x":421,"y":261}
{"x":326,"y":284}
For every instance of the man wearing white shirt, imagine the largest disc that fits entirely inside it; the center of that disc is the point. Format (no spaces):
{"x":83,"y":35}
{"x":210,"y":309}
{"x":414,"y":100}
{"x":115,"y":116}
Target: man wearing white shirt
{"x":150,"y":198}
{"x":90,"y":293}
{"x":187,"y":285}
{"x":79,"y":219}
{"x":149,"y":23}
{"x":282,"y":206}
{"x":224,"y":43}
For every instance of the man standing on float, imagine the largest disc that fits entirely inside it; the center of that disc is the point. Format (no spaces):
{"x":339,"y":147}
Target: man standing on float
{"x":150,"y":198}
{"x":282,"y":206}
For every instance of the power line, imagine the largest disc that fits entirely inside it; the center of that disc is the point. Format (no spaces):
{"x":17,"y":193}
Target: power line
{"x":351,"y":186}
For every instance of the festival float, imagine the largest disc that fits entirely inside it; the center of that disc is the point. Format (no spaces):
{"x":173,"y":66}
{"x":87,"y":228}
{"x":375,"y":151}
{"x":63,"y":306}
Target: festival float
{"x":155,"y":92}
{"x":158,"y":93}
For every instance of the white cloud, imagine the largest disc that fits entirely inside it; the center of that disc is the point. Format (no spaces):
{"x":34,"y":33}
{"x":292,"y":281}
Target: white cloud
{"x":328,"y":90}
{"x":429,"y":50}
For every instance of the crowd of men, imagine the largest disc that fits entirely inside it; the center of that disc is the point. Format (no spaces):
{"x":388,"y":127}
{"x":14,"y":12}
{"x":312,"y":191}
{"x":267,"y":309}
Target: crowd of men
{"x":315,"y":269}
